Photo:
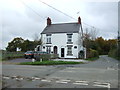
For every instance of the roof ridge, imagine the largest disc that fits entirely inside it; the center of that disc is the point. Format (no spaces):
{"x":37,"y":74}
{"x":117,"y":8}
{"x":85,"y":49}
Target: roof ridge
{"x":64,"y":23}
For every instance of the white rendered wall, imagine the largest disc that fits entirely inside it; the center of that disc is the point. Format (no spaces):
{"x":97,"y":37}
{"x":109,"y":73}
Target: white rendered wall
{"x":60,"y":40}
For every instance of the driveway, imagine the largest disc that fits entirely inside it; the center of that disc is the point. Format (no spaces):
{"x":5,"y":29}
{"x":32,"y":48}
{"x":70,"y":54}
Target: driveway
{"x":102,"y":73}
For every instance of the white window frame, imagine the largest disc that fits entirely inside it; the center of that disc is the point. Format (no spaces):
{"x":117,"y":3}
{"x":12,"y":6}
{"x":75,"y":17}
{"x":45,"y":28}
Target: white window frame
{"x":69,"y":50}
{"x":48,"y":38}
{"x":69,"y":38}
{"x":48,"y":49}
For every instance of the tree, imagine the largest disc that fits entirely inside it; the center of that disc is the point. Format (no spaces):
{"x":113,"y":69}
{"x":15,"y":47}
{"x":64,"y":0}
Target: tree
{"x":16,"y":42}
{"x":93,"y":33}
{"x":24,"y":45}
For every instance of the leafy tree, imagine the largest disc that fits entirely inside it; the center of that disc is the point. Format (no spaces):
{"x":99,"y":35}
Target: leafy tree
{"x":25,"y":45}
{"x":16,"y":42}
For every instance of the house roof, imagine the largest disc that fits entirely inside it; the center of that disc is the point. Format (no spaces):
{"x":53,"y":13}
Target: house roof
{"x":61,"y":28}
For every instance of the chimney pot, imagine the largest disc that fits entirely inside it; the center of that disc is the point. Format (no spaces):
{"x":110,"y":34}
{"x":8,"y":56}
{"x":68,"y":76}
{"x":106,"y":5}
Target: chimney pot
{"x":48,"y":21}
{"x":79,"y":20}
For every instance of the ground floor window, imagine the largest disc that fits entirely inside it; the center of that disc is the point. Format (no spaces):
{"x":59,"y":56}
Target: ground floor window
{"x":48,"y":49}
{"x":69,"y":50}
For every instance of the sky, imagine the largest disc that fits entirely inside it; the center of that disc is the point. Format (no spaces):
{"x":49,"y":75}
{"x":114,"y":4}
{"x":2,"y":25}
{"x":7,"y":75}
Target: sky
{"x":27,"y":18}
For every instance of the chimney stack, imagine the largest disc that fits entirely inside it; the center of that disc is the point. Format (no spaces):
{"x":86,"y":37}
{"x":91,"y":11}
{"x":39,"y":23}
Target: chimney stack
{"x":79,"y":20}
{"x":48,"y":21}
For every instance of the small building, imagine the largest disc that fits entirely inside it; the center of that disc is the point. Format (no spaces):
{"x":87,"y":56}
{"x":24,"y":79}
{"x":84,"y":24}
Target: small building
{"x":64,"y":39}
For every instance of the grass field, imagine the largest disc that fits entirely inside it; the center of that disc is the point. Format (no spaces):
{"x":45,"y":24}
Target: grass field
{"x":50,"y":63}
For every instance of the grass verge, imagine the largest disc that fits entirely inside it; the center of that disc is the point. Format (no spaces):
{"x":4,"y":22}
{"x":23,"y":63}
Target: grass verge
{"x":50,"y":63}
{"x":92,"y":59}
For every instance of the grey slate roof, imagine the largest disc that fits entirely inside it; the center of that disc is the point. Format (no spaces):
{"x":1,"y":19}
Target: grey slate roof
{"x":61,"y":28}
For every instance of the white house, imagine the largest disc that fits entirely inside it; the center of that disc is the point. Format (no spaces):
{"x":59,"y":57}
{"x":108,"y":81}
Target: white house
{"x":64,"y":39}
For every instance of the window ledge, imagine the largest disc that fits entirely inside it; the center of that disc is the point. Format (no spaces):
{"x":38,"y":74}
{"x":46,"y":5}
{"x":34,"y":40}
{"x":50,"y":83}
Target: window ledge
{"x":69,"y":42}
{"x":69,"y":54}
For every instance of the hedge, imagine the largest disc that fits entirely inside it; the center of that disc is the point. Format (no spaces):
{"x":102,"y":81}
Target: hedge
{"x":92,"y":53}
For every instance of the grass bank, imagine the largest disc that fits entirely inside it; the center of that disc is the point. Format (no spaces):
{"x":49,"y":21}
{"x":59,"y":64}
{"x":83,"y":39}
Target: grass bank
{"x":92,"y":59}
{"x":50,"y":63}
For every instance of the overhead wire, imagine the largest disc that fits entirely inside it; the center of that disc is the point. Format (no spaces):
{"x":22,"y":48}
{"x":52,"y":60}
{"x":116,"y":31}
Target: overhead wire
{"x":63,"y":13}
{"x":31,"y":9}
{"x":54,"y":9}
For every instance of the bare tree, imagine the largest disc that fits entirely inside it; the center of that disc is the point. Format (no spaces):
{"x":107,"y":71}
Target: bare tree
{"x":36,"y":37}
{"x":93,"y":33}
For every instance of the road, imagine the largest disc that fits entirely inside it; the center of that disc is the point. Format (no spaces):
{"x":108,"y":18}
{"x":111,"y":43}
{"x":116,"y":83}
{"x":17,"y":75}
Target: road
{"x":102,"y":73}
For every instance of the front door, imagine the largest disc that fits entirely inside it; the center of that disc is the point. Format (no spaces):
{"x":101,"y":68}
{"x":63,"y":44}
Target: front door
{"x":62,"y":52}
{"x":55,"y":49}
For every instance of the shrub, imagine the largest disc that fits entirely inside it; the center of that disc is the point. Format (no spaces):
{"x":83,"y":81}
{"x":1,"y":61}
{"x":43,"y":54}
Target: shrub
{"x":92,"y":53}
{"x":114,"y":53}
{"x":46,"y":57}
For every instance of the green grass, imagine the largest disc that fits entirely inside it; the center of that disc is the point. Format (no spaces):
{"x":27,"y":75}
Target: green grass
{"x":50,"y":63}
{"x":92,"y":59}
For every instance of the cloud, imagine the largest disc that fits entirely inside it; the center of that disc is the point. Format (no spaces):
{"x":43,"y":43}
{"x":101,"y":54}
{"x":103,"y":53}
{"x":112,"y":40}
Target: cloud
{"x":24,"y":20}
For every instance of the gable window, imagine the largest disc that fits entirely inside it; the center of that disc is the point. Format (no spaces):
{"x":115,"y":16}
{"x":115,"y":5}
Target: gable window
{"x":69,"y":39}
{"x":48,"y":38}
{"x":69,"y":50}
{"x":48,"y":49}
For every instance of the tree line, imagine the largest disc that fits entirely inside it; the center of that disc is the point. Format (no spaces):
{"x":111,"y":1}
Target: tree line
{"x":102,"y":46}
{"x":24,"y":45}
{"x":99,"y":45}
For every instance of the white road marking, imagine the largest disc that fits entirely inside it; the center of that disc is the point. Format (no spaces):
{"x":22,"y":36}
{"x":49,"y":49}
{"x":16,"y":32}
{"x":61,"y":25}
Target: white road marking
{"x":19,"y":78}
{"x":107,"y":85}
{"x":6,"y":77}
{"x":35,"y":78}
{"x":61,"y":82}
{"x":14,"y":76}
{"x":65,"y":80}
{"x":110,"y":68}
{"x":81,"y":82}
{"x":46,"y":80}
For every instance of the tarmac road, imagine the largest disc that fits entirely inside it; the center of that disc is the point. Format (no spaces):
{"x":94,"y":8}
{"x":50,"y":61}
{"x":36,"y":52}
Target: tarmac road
{"x":102,"y":73}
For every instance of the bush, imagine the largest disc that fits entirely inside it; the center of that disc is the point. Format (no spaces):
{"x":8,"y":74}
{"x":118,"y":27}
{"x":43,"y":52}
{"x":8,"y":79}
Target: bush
{"x":45,"y":57}
{"x":114,"y":53}
{"x":92,"y":53}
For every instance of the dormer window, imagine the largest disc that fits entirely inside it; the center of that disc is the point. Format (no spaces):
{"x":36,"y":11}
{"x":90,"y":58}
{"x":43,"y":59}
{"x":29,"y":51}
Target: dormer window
{"x":48,"y":38}
{"x":69,"y":38}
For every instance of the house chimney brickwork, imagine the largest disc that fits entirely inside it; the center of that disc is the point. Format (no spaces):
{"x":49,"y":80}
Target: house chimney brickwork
{"x":79,"y":20}
{"x":48,"y":21}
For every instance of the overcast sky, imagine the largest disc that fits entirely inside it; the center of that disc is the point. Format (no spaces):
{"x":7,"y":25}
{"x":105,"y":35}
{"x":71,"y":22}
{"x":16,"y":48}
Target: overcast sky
{"x":27,"y":18}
